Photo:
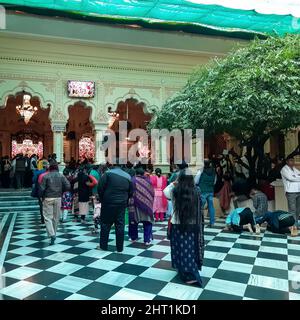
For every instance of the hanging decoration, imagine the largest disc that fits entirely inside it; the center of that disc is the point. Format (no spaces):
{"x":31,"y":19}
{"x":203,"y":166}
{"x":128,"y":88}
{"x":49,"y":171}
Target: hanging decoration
{"x":26,"y":110}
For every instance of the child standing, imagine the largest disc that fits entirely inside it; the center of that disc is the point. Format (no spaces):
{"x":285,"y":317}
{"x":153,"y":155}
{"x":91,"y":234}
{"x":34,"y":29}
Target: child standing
{"x":66,"y":205}
{"x":67,"y":199}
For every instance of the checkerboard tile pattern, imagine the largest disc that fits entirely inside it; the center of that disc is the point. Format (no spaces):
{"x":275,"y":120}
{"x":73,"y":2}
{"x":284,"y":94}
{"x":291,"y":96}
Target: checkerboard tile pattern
{"x":236,"y":266}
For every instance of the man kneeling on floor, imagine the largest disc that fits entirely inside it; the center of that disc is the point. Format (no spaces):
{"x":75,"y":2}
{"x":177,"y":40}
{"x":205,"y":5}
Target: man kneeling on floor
{"x":53,"y":185}
{"x":279,"y":222}
{"x":241,"y":219}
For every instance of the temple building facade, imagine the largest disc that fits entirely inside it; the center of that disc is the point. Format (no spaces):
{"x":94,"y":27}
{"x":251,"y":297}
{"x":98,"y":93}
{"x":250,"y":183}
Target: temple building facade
{"x":133,"y":71}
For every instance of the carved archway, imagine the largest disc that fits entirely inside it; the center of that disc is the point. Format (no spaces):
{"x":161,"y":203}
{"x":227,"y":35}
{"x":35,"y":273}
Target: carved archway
{"x":79,"y":125}
{"x":44,"y":103}
{"x":11,"y":123}
{"x":78,"y":102}
{"x":148,"y":107}
{"x":132,"y":111}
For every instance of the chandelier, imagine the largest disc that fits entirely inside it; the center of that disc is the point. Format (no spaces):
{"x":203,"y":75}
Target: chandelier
{"x":26,"y":110}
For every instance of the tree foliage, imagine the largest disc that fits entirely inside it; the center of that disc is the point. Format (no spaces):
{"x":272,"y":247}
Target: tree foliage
{"x":250,"y":94}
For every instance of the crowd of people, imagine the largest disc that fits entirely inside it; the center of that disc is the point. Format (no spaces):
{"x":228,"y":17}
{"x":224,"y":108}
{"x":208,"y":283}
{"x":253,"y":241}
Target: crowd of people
{"x":109,"y":193}
{"x":17,"y":172}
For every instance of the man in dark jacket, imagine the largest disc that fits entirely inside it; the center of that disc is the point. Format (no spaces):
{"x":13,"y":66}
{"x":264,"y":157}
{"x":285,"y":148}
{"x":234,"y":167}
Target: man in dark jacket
{"x":20,"y":170}
{"x":53,"y":185}
{"x":114,"y":188}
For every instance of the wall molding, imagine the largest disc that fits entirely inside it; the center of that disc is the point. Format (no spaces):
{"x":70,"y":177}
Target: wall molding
{"x":91,"y":66}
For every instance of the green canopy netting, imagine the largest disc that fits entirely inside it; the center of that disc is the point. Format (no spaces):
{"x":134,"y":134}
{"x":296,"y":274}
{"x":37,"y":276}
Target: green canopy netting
{"x":261,"y":17}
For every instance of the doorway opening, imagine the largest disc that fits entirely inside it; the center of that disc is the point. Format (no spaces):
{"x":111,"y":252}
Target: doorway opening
{"x":17,"y":136}
{"x":132,"y":111}
{"x":79,"y":137}
{"x":27,"y":142}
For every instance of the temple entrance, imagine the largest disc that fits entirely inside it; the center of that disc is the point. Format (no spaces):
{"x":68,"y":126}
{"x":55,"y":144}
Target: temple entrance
{"x":20,"y":133}
{"x":132,"y":111}
{"x":27,"y":143}
{"x":79,"y":137}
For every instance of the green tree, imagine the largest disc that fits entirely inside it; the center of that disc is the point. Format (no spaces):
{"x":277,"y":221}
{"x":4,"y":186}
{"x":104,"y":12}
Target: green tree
{"x":251,"y":94}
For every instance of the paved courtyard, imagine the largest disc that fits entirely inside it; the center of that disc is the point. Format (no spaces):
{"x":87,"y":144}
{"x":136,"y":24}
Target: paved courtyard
{"x":236,"y":266}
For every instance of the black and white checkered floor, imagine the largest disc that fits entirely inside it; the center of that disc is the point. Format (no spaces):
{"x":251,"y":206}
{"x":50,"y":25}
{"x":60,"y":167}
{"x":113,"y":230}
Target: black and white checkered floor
{"x":236,"y":266}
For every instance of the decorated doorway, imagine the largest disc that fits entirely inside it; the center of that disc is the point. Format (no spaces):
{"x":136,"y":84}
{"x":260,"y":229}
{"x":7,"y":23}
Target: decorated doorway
{"x":27,"y":143}
{"x":79,"y":138}
{"x":132,"y":111}
{"x":86,"y":148}
{"x":22,"y":134}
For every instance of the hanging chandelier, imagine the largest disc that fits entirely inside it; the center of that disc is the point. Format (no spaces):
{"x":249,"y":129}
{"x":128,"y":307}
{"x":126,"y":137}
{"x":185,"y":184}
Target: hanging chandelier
{"x":26,"y":110}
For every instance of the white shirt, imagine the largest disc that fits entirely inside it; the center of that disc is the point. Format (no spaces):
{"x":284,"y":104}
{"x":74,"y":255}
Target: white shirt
{"x":290,"y":179}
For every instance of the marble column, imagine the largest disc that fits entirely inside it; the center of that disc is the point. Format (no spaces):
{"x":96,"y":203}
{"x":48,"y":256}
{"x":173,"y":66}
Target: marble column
{"x":99,"y":135}
{"x":58,"y":141}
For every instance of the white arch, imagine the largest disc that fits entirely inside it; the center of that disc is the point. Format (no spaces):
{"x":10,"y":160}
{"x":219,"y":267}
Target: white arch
{"x":147,"y":107}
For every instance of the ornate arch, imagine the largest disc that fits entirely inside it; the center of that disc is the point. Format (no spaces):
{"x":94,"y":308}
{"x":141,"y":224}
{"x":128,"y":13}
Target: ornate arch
{"x":45,"y":103}
{"x":86,"y":104}
{"x":148,"y":108}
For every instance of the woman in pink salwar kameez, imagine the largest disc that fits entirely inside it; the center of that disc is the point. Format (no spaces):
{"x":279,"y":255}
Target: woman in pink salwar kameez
{"x":160,"y":204}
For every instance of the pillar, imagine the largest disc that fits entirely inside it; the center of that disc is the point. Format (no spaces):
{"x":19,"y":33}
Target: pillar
{"x":99,"y":135}
{"x":58,"y":141}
